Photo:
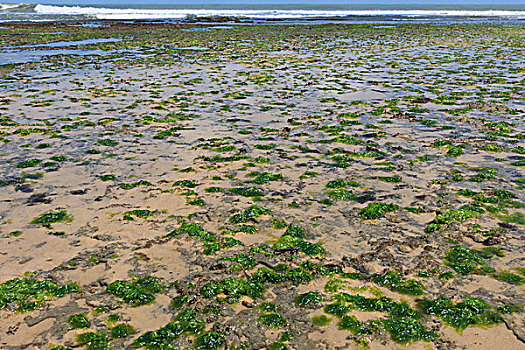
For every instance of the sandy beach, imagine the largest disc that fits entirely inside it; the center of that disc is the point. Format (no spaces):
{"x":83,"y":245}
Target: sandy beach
{"x":337,"y":186}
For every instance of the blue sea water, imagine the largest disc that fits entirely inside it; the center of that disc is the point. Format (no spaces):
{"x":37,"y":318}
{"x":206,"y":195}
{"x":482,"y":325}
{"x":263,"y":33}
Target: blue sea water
{"x":10,"y":12}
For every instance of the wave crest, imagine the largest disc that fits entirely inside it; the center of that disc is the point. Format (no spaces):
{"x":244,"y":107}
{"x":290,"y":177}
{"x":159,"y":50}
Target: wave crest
{"x":17,"y":8}
{"x":104,"y":13}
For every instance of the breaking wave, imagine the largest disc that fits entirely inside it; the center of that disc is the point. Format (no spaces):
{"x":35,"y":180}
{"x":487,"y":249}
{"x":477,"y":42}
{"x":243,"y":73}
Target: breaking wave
{"x":105,"y":13}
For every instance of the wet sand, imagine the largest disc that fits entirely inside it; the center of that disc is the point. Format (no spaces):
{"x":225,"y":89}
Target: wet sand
{"x":383,"y":162}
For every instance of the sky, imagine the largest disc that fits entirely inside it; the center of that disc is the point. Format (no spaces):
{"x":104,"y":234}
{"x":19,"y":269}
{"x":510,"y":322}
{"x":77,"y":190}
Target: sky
{"x":259,"y":2}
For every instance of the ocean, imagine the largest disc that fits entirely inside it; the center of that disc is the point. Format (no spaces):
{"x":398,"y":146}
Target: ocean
{"x":40,"y":12}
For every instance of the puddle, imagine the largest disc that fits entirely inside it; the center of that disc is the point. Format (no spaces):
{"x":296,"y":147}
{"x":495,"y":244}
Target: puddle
{"x":282,"y":52}
{"x":37,"y":55}
{"x":207,"y":28}
{"x":66,"y":43}
{"x":194,"y":48}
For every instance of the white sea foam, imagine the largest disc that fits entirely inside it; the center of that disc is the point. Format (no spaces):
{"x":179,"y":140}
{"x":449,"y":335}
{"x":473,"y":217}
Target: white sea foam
{"x":35,"y":12}
{"x":132,"y":14}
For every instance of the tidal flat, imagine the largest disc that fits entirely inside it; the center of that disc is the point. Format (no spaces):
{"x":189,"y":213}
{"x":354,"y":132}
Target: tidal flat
{"x":336,"y":186}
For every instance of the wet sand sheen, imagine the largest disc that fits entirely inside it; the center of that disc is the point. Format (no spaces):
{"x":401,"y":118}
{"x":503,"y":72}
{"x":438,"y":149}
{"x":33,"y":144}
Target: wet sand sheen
{"x":240,"y":197}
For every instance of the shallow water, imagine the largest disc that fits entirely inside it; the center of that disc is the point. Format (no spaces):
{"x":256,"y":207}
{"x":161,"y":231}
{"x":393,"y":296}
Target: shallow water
{"x":37,"y":55}
{"x":66,"y":43}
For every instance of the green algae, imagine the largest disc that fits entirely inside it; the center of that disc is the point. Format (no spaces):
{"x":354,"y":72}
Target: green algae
{"x":193,"y":230}
{"x":79,"y":321}
{"x":308,"y":248}
{"x":392,"y":179}
{"x":269,"y":307}
{"x":211,"y":248}
{"x":179,"y":301}
{"x":134,"y":184}
{"x":403,"y":323}
{"x":29,"y":163}
{"x":213,"y":189}
{"x":295,"y":231}
{"x":321,"y":320}
{"x":509,"y":309}
{"x":308,"y":299}
{"x":210,"y":341}
{"x":52,"y":217}
{"x":454,"y":215}
{"x":264,"y":177}
{"x":350,"y":323}
{"x":376,"y":210}
{"x":397,"y":283}
{"x":121,"y":331}
{"x":515,"y":218}
{"x":244,"y":261}
{"x":108,"y":177}
{"x":185,"y":183}
{"x":278,"y":345}
{"x":342,"y":194}
{"x":338,"y":183}
{"x":139,"y":291}
{"x":507,"y":276}
{"x":273,"y":320}
{"x":94,"y":341}
{"x":252,"y":212}
{"x":185,"y":322}
{"x":484,"y":174}
{"x":140,"y":213}
{"x":220,"y":159}
{"x":470,"y":312}
{"x":251,"y":191}
{"x":464,"y":260}
{"x":28,"y":294}
{"x":107,"y":142}
{"x":406,"y":330}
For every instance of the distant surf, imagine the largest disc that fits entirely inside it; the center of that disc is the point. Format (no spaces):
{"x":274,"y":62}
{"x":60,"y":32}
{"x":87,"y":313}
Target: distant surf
{"x":39,"y":12}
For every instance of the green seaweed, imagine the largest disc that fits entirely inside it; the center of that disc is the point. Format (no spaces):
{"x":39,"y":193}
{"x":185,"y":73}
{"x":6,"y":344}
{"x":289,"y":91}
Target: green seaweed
{"x":252,"y":212}
{"x":79,"y":321}
{"x":397,"y":283}
{"x":470,"y":312}
{"x":184,"y":322}
{"x":29,"y":163}
{"x":406,"y":330}
{"x":52,"y":217}
{"x":194,"y":230}
{"x":342,"y":194}
{"x":139,"y":291}
{"x":210,"y":341}
{"x":509,"y":277}
{"x":134,"y":184}
{"x":464,"y":260}
{"x":140,"y":213}
{"x":95,"y":341}
{"x":185,"y":183}
{"x":376,"y":210}
{"x":392,"y":179}
{"x":121,"y":331}
{"x":278,"y":345}
{"x":107,"y":142}
{"x":109,"y":177}
{"x":351,"y":324}
{"x":251,"y":191}
{"x":262,"y":178}
{"x":308,"y":299}
{"x":321,"y":320}
{"x":273,"y":320}
{"x":179,"y":301}
{"x":29,"y":294}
